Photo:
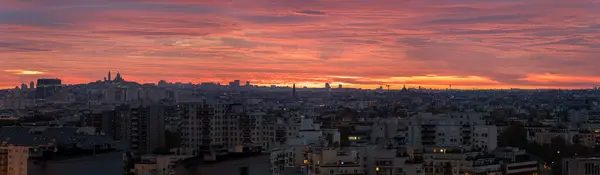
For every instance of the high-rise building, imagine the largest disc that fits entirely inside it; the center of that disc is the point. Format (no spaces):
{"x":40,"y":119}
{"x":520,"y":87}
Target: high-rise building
{"x":24,"y":86}
{"x":248,"y":84}
{"x":207,"y":124}
{"x":47,"y":87}
{"x":294,"y":90}
{"x":143,"y":125}
{"x":327,"y":86}
{"x":109,"y":76}
{"x":31,"y":85}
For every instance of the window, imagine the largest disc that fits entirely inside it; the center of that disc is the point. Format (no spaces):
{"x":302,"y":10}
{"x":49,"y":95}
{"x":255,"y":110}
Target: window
{"x":244,"y":171}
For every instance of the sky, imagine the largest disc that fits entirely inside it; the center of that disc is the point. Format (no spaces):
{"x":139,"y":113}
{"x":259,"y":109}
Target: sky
{"x":358,"y":43}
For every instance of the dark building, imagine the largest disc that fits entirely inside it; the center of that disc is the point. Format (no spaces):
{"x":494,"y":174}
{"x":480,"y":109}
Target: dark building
{"x":235,"y":163}
{"x":143,"y":125}
{"x":47,"y":87}
{"x":102,"y":120}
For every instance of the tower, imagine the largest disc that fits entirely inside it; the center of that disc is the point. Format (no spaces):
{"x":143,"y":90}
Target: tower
{"x":294,"y":90}
{"x":118,"y":78}
{"x":109,"y":77}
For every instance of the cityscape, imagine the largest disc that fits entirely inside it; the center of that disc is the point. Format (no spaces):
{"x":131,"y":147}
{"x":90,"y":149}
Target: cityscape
{"x":115,"y":126}
{"x":299,"y":87}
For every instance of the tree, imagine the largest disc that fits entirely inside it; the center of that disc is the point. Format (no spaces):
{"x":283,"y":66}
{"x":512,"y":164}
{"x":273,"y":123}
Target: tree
{"x":514,"y":136}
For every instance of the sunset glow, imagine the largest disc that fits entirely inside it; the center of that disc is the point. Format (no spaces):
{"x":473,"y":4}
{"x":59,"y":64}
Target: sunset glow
{"x":357,"y":43}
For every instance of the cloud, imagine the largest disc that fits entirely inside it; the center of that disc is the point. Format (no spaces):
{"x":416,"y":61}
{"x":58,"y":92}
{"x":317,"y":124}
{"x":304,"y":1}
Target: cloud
{"x":467,"y":43}
{"x":24,"y":72}
{"x":310,"y":12}
{"x":483,"y":19}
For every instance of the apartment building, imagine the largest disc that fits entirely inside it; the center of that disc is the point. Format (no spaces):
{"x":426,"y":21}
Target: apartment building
{"x":469,"y":130}
{"x":581,"y":165}
{"x":65,"y":151}
{"x":143,"y":125}
{"x":392,"y":161}
{"x":335,"y":162}
{"x":212,"y":124}
{"x":516,"y":161}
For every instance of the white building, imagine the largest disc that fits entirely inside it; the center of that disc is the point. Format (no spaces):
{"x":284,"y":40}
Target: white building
{"x":467,"y":130}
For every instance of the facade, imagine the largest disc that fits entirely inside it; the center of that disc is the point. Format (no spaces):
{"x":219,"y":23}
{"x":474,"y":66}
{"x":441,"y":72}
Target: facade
{"x":468,"y":130}
{"x":583,"y":166}
{"x":241,"y":161}
{"x":516,"y":162}
{"x":47,"y":87}
{"x":157,"y":165}
{"x":143,"y":126}
{"x":65,"y":151}
{"x":225,"y":126}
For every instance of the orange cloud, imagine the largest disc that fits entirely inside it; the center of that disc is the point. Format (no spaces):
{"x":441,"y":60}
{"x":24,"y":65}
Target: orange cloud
{"x":24,"y":72}
{"x":466,"y":43}
{"x":560,"y":78}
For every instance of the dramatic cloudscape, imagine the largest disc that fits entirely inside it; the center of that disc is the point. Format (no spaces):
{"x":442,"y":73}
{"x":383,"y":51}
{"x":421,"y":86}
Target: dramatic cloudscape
{"x":358,"y":43}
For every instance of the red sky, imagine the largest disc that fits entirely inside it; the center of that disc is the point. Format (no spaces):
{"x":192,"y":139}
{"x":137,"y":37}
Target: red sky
{"x":358,"y":43}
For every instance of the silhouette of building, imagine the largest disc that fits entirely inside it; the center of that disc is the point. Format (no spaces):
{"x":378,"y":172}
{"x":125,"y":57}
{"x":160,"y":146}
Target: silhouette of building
{"x":118,"y":78}
{"x":47,"y":87}
{"x":31,"y":85}
{"x":294,"y":90}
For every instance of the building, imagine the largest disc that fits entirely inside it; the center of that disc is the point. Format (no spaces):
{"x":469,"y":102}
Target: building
{"x":242,"y":161}
{"x":583,"y":166}
{"x":116,"y":94}
{"x":143,"y":125}
{"x":102,"y":119}
{"x":467,"y":130}
{"x":47,"y":87}
{"x":516,"y":162}
{"x":157,"y":164}
{"x":332,"y":162}
{"x":226,"y":126}
{"x":52,"y":150}
{"x":196,"y":119}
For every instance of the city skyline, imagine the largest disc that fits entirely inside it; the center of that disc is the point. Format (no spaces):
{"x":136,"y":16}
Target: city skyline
{"x":360,"y":44}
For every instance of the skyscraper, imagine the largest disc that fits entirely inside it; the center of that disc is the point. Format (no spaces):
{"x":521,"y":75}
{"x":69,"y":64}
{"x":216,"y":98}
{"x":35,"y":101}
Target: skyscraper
{"x":294,"y":90}
{"x":31,"y":85}
{"x":47,"y":87}
{"x":109,"y":77}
